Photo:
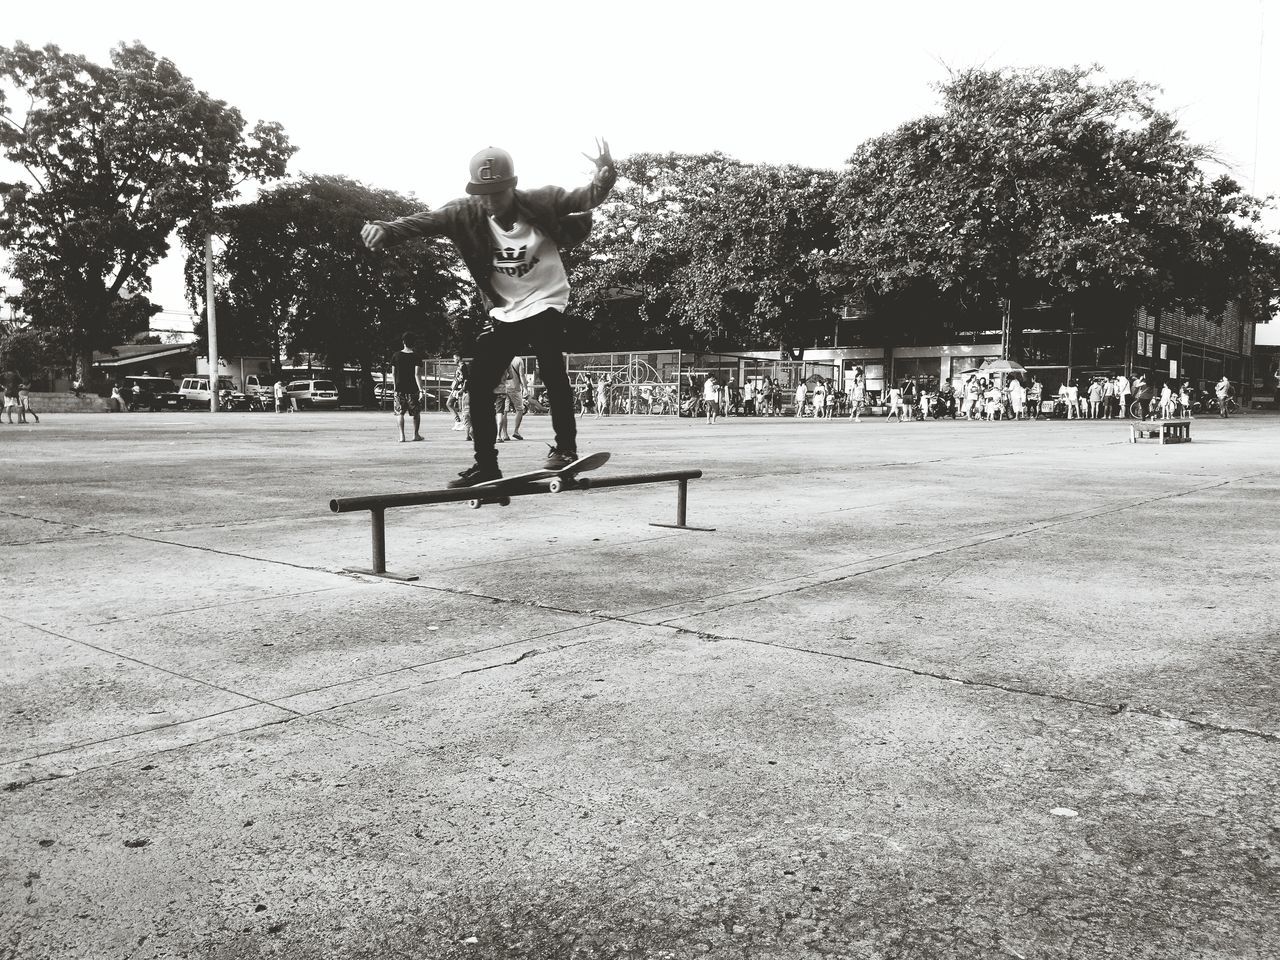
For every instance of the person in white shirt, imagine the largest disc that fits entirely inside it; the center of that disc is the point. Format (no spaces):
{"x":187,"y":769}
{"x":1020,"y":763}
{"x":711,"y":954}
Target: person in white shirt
{"x":711,"y":396}
{"x":1018,"y":399}
{"x":819,"y":399}
{"x":896,"y":407}
{"x":1123,"y":393}
{"x":511,"y":241}
{"x":1073,"y":401}
{"x":802,"y":391}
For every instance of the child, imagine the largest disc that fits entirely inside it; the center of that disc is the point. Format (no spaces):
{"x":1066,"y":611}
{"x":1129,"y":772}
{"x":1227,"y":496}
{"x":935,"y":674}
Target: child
{"x":895,"y":404}
{"x":24,"y":404}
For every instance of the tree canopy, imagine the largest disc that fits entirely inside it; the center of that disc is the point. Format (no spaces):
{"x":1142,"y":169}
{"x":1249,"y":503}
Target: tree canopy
{"x":706,"y":251}
{"x":114,"y":159}
{"x":1045,"y":185}
{"x":297,"y":278}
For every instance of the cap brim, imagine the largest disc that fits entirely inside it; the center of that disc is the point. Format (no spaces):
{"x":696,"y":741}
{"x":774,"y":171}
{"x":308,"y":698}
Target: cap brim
{"x":490,"y":186}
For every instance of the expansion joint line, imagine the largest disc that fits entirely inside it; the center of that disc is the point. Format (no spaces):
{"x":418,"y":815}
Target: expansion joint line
{"x":1114,"y":708}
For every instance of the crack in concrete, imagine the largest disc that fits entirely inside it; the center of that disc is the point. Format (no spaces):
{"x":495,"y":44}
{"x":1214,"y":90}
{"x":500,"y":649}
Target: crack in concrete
{"x":927,"y":551}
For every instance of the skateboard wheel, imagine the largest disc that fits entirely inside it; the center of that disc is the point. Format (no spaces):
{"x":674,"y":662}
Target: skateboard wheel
{"x":556,"y":485}
{"x":504,"y":501}
{"x":474,"y":504}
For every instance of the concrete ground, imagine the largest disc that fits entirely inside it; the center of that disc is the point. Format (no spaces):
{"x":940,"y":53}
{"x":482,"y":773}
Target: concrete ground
{"x":929,"y":690}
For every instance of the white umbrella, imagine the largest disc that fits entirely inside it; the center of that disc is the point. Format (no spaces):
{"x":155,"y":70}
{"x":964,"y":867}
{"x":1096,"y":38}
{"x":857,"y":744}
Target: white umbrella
{"x":1007,"y":367}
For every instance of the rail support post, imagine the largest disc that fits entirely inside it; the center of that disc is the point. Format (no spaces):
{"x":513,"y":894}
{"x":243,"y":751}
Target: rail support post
{"x":682,"y":503}
{"x":378,"y":531}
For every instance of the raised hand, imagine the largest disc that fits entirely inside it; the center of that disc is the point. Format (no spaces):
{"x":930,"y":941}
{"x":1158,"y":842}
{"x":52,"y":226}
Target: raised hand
{"x":605,"y":160}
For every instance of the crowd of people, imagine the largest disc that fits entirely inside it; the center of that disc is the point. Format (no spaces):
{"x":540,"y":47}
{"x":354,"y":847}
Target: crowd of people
{"x":975,"y":397}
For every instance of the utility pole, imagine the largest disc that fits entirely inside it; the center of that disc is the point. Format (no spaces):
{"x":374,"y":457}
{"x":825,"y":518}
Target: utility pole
{"x":211,"y":316}
{"x":1006,"y":329}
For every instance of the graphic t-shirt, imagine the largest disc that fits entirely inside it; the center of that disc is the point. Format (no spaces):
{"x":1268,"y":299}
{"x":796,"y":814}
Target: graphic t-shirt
{"x":528,"y":274}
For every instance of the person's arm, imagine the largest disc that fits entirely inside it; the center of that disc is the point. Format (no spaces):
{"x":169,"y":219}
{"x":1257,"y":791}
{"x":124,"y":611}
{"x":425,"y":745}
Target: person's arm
{"x":378,"y":234}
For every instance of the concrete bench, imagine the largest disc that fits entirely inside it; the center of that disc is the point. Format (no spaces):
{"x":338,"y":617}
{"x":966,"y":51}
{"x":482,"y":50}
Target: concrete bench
{"x":1166,"y":431}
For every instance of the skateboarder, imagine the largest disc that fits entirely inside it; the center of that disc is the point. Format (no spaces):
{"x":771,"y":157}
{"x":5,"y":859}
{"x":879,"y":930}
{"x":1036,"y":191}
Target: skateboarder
{"x":510,"y":241}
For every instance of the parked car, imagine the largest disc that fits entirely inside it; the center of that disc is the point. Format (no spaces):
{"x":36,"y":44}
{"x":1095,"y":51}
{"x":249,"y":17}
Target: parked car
{"x":151,"y":393}
{"x":195,"y":389}
{"x":313,"y":393}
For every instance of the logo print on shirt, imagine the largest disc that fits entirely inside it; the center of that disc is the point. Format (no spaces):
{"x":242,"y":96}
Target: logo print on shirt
{"x":511,"y":261}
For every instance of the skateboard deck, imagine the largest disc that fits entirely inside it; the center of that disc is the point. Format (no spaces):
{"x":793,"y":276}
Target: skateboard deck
{"x":492,"y":491}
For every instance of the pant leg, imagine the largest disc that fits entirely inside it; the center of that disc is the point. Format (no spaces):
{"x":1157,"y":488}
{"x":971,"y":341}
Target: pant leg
{"x":546,"y":337}
{"x":494,"y":352}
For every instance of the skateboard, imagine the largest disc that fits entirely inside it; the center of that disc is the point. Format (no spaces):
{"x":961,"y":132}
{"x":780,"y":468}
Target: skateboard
{"x":492,"y":491}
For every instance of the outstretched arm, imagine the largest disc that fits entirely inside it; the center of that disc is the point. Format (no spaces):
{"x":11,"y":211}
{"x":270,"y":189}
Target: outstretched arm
{"x":430,"y":223}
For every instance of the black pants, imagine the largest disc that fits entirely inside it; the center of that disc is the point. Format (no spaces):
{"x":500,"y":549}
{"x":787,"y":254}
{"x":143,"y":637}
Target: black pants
{"x":543,"y":336}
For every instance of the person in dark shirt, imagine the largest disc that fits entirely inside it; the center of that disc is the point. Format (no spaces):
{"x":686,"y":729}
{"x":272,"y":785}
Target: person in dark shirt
{"x":407,"y":382}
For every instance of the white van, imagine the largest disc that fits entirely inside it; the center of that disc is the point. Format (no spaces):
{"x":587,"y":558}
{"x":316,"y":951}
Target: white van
{"x":314,"y":393}
{"x":195,"y":390}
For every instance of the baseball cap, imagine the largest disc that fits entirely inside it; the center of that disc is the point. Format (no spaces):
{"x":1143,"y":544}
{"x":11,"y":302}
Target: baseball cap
{"x":492,"y":171}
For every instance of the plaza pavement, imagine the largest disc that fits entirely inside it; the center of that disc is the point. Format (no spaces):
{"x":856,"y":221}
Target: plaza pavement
{"x":928,"y":690}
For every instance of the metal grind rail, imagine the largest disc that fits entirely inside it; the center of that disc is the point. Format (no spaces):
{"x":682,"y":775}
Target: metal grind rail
{"x":477,"y":497}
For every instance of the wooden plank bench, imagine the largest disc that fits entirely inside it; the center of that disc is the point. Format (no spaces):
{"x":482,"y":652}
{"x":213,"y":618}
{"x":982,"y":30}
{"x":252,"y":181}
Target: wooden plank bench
{"x":1166,"y":431}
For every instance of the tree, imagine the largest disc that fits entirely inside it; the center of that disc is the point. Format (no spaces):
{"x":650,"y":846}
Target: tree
{"x":295,"y":276}
{"x":1044,"y":185}
{"x":705,"y":251}
{"x":115,"y":158}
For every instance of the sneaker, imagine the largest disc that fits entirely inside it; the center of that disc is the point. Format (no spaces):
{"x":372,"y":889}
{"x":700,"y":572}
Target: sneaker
{"x":558,"y":459}
{"x":457,"y":425}
{"x":516,"y":436}
{"x":477,"y":473}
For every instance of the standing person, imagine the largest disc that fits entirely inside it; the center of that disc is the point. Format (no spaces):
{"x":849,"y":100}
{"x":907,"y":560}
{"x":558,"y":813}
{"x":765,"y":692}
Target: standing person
{"x":1223,"y":392}
{"x":1095,"y":399}
{"x":802,"y":391}
{"x":517,"y":393}
{"x":1018,"y":399}
{"x":748,"y":399}
{"x":857,"y":395}
{"x":406,"y":379}
{"x":1142,"y":390}
{"x":1073,"y":401}
{"x":895,"y":404}
{"x":456,"y":389}
{"x":118,"y":398}
{"x":1123,"y":393}
{"x":1035,"y":394}
{"x":819,"y":399}
{"x":510,"y":241}
{"x":711,"y":398}
{"x":24,"y":403}
{"x":602,"y":396}
{"x":6,"y":403}
{"x":1184,"y":400}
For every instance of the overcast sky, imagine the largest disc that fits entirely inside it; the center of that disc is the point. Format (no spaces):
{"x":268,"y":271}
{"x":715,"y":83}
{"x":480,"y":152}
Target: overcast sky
{"x":400,"y":95}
